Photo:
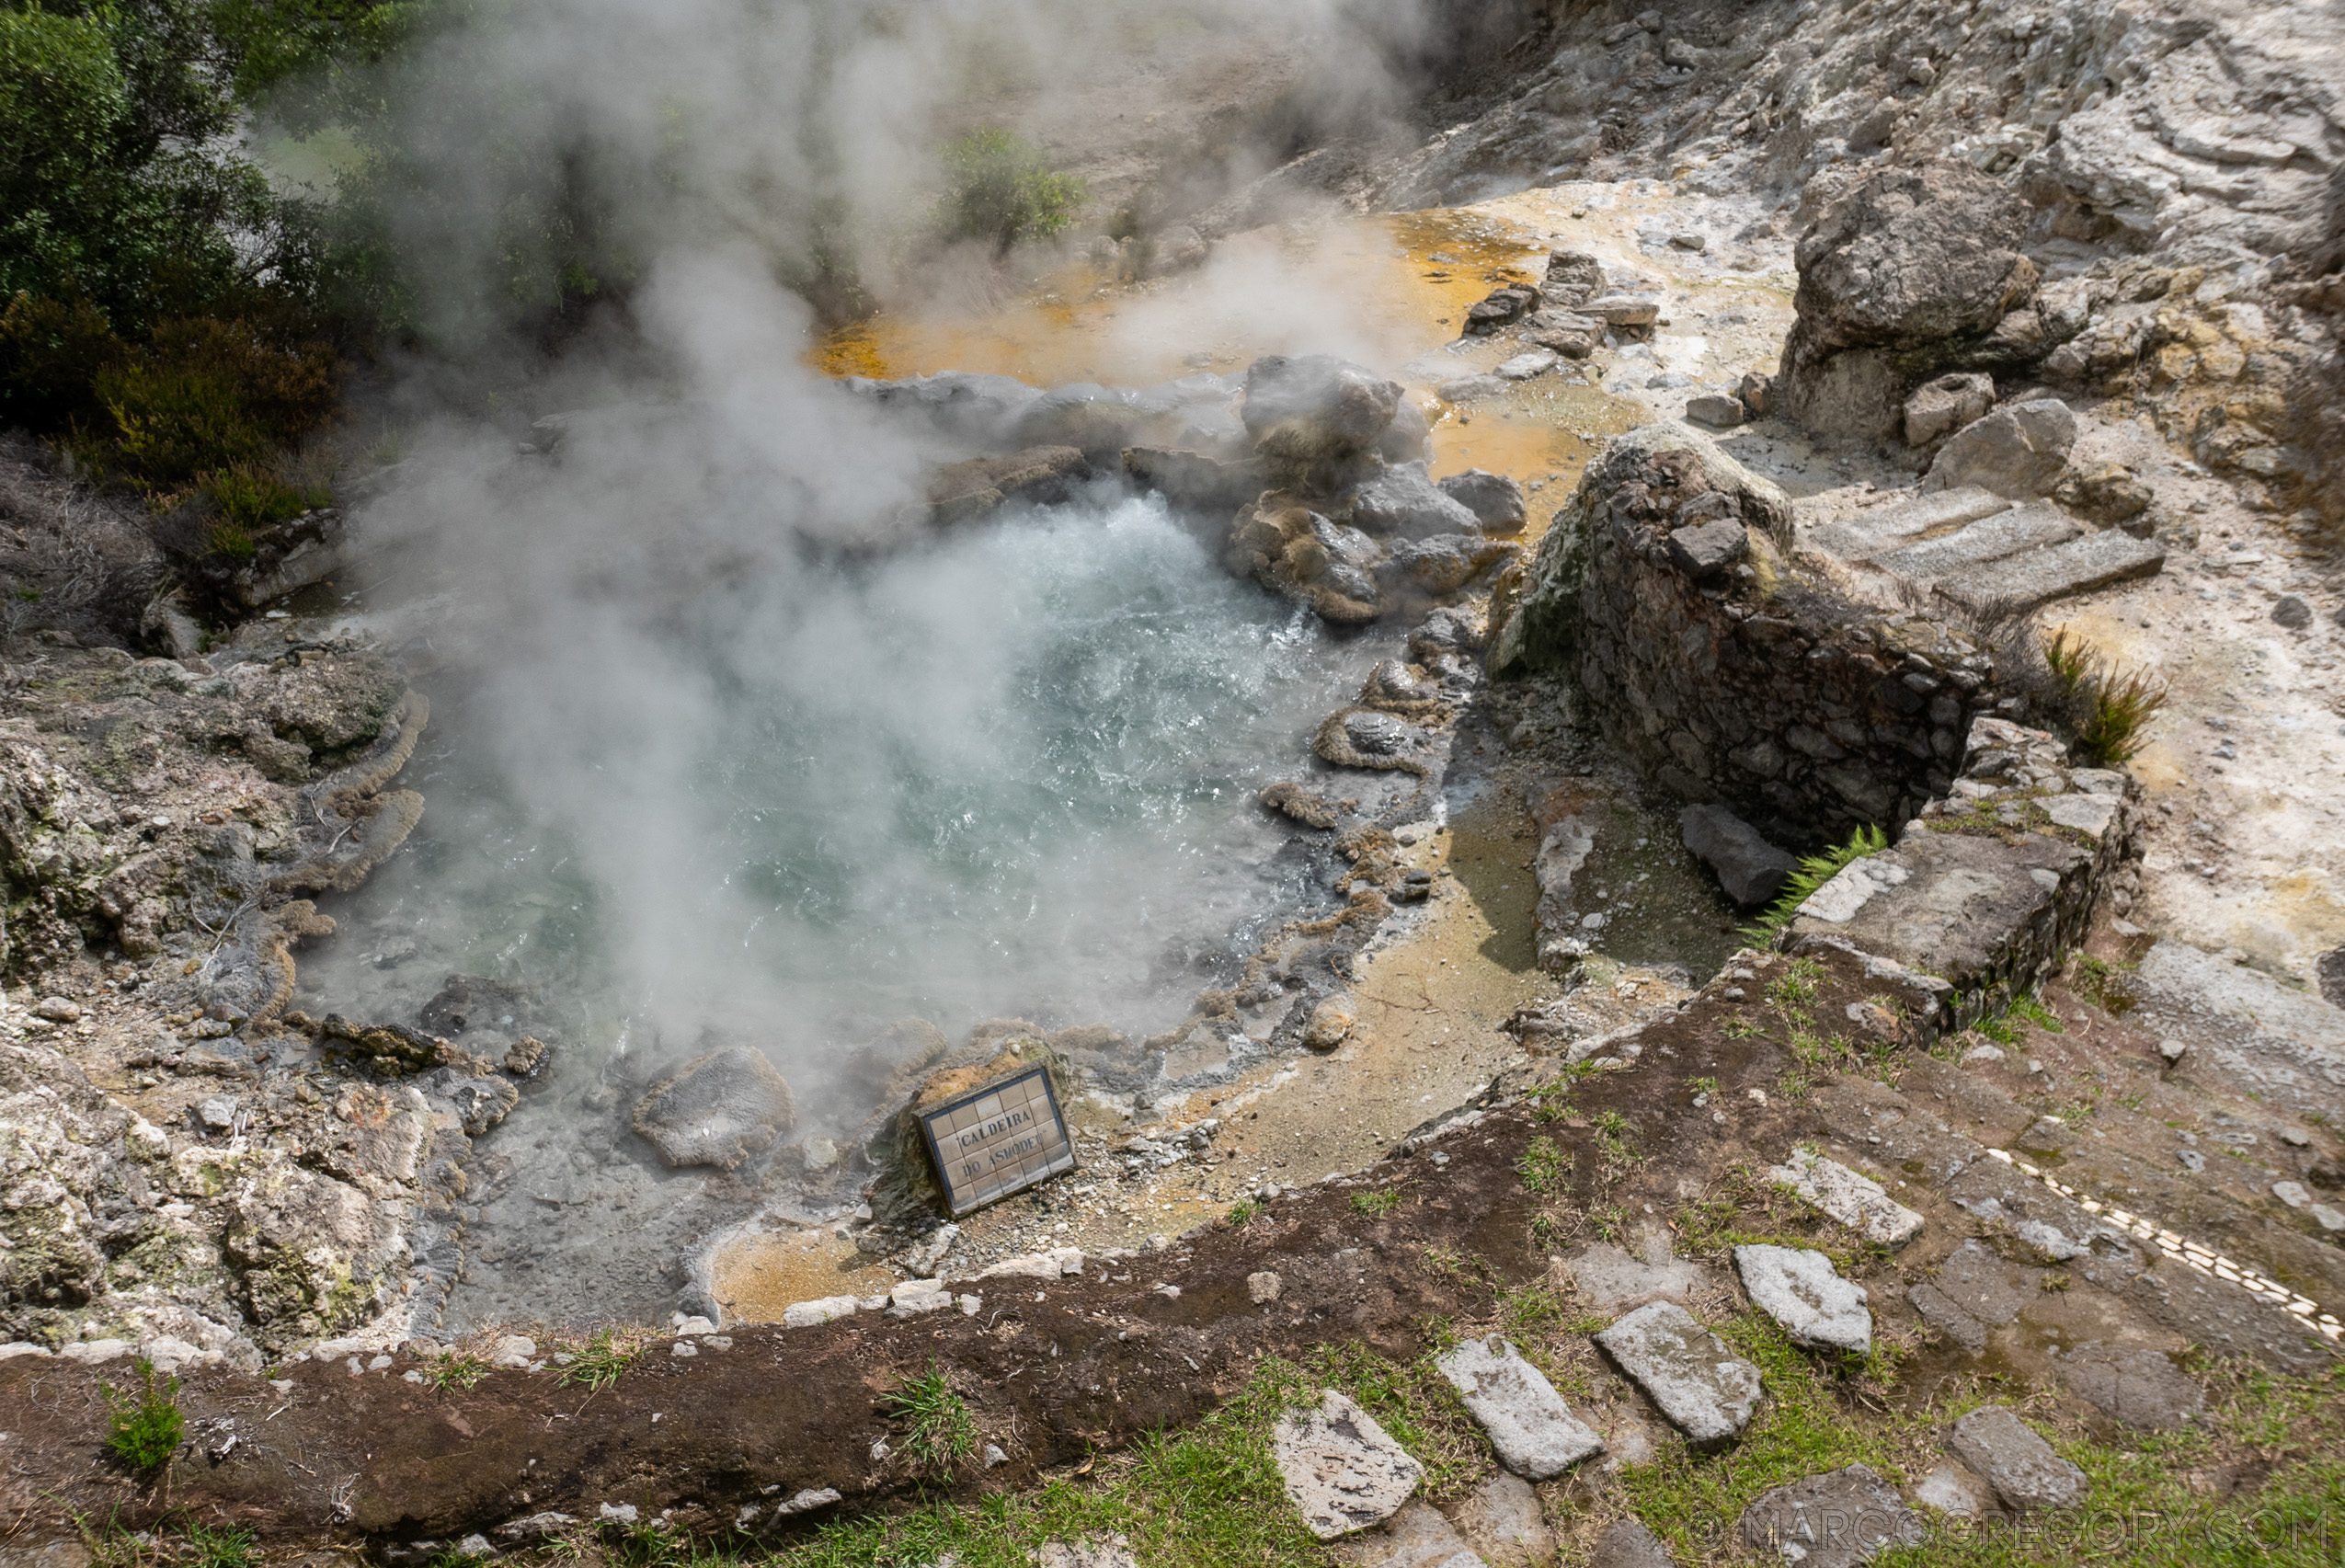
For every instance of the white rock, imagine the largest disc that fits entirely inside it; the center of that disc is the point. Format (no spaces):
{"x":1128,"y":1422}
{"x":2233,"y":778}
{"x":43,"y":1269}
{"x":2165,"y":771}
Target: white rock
{"x":622,"y":1514}
{"x":822,"y":1309}
{"x":1036,"y":1266}
{"x":1343,"y":1472}
{"x":95,"y":1352}
{"x":14,"y":1348}
{"x":513,"y":1350}
{"x":1523,"y":367}
{"x":1799,"y":1289}
{"x":1855,"y":1201}
{"x":695,"y":1325}
{"x":1263,"y":1288}
{"x":2292,"y":1193}
{"x":1534,"y":1431}
{"x":1706,"y":1391}
{"x":800,"y":1502}
{"x":2330,"y":1218}
{"x":683,"y":1348}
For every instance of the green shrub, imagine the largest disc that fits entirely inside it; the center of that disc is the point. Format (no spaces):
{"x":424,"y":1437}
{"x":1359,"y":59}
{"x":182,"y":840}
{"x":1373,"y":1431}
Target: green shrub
{"x":145,"y":1430}
{"x":251,"y":494}
{"x":206,"y":398}
{"x":999,"y":190}
{"x":1813,"y":872}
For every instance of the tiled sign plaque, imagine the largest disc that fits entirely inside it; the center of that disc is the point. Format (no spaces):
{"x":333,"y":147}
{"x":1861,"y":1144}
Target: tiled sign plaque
{"x":999,"y":1140}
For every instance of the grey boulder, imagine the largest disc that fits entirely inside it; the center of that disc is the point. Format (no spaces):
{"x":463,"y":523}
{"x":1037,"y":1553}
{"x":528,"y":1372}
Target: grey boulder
{"x":1535,"y":1432}
{"x":1938,"y":408}
{"x":1405,"y":500}
{"x":1799,"y":1289}
{"x":1495,"y":500}
{"x":1314,"y":407}
{"x":718,"y":1109}
{"x":1750,"y":869}
{"x":2019,"y":452}
{"x":2017,"y":1463}
{"x":1706,"y":1391}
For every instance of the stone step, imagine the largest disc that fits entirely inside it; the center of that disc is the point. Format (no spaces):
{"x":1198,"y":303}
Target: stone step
{"x":2038,"y":577}
{"x":1862,"y":537}
{"x":2029,"y":527}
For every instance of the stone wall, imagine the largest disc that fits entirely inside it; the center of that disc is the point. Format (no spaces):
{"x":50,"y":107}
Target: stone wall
{"x":1722,"y":671}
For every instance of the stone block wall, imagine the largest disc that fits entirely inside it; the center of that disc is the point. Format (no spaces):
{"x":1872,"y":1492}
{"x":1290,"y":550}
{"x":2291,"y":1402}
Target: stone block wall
{"x":1722,"y":671}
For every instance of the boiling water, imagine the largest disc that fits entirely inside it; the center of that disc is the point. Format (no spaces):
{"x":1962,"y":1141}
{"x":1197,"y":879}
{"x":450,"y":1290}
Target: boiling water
{"x":1010,"y":774}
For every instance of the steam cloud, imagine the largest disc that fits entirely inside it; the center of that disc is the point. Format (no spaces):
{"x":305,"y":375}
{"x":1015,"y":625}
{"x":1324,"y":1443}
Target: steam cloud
{"x":696,"y":561}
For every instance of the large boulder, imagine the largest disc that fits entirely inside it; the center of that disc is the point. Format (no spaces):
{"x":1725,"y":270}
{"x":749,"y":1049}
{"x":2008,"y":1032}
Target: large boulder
{"x":2020,"y":452}
{"x":1316,"y":408}
{"x":1291,"y":549}
{"x":1905,"y":275}
{"x":1495,"y":500}
{"x":1405,"y":500}
{"x":719,"y":1109}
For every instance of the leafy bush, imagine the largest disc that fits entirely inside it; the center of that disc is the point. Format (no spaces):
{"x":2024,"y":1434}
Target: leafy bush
{"x":207,"y":396}
{"x":144,"y":1429}
{"x":999,"y":190}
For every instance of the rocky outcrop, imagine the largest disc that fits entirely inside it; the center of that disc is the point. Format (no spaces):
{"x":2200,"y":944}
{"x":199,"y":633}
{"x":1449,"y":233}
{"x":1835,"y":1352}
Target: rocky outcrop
{"x":1908,"y":274}
{"x":1723,"y":670}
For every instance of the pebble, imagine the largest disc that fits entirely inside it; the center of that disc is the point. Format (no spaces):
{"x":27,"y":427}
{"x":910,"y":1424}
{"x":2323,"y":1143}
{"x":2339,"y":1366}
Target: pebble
{"x":2291,"y":613}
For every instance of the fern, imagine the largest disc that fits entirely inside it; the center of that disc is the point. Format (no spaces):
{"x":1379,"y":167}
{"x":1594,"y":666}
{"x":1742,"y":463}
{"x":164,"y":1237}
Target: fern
{"x":1814,"y":871}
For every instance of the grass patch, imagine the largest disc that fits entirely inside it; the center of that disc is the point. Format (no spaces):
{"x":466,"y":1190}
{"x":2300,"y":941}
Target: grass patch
{"x":1543,"y":1165}
{"x":601,"y":1362}
{"x":1376,"y":1204}
{"x":1813,"y":872}
{"x":144,"y":1427}
{"x":455,"y":1370}
{"x":938,"y":1432}
{"x":1245,"y":1208}
{"x":2108,"y":707}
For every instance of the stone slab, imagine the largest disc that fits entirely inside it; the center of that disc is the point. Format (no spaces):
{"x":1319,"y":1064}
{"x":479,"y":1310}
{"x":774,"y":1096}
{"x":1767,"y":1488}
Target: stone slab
{"x":1612,"y":1280}
{"x":1502,"y":1521}
{"x":1962,"y":906}
{"x":1799,"y":1288}
{"x":1535,"y":1432}
{"x":1750,"y":869}
{"x":2058,"y":571}
{"x":1991,"y":538}
{"x":1835,"y":1520}
{"x":1343,"y":1472}
{"x":1856,"y":1201}
{"x":1706,"y":1391}
{"x":1629,"y":1544}
{"x":1954,"y":1489}
{"x":2017,"y":1463}
{"x":2135,"y":1385}
{"x":1973,"y":1292}
{"x":1861,"y":537}
{"x":1417,"y":1536}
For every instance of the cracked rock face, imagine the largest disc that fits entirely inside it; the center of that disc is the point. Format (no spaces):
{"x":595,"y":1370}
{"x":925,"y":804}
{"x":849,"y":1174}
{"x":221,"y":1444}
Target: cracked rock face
{"x":1799,"y":1289}
{"x":1343,"y":1472}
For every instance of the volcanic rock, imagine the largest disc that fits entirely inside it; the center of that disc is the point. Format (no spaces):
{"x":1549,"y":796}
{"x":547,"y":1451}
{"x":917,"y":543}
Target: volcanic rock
{"x":717,"y":1110}
{"x":1896,"y":279}
{"x":1495,"y":500}
{"x":2019,"y":452}
{"x":1405,"y":500}
{"x":1799,"y":1289}
{"x":1316,"y":408}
